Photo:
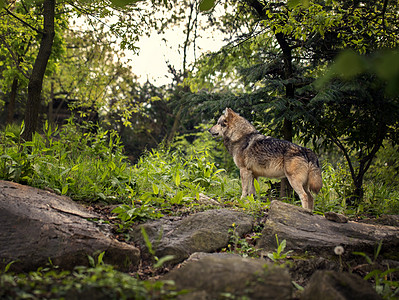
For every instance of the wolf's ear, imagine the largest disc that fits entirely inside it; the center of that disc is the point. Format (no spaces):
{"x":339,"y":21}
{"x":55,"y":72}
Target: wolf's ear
{"x":228,"y":112}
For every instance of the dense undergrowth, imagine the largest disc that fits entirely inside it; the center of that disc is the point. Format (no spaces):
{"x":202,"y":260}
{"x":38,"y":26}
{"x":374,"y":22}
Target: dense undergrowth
{"x":99,"y":281}
{"x":87,"y":163}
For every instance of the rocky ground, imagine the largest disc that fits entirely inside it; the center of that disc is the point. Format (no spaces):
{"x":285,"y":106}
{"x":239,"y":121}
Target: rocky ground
{"x":316,"y":252}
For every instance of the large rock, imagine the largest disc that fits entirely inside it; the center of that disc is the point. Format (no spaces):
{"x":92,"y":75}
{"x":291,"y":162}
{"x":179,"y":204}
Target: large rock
{"x":305,"y":232}
{"x":206,"y":231}
{"x":228,"y":276}
{"x":330,"y":285}
{"x":37,"y":225}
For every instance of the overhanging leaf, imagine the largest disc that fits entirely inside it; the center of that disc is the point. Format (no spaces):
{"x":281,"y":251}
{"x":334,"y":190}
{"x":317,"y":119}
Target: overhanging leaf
{"x":122,"y":3}
{"x":206,"y":5}
{"x":294,"y":3}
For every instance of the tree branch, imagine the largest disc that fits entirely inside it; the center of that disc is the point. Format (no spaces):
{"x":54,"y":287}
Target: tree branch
{"x":23,"y":22}
{"x":14,"y":57}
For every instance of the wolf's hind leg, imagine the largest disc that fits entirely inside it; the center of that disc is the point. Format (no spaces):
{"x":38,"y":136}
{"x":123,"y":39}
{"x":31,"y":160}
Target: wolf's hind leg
{"x":296,"y":171}
{"x":298,"y":183}
{"x":310,"y":198}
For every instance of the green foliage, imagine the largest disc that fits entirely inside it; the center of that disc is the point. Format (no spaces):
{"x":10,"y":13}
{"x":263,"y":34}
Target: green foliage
{"x":139,"y":211}
{"x":336,"y":188}
{"x":206,"y":5}
{"x":279,"y":254}
{"x":380,"y":196}
{"x":97,"y":281}
{"x":158,"y":262}
{"x":87,"y":163}
{"x":242,"y":246}
{"x":384,"y":284}
{"x":83,"y":162}
{"x":15,"y":163}
{"x":166,"y":178}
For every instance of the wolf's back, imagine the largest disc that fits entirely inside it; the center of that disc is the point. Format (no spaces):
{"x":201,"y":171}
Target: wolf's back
{"x":315,"y":180}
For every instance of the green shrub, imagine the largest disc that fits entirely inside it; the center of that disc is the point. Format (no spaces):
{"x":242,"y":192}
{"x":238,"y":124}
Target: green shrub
{"x":83,"y":162}
{"x":97,"y":282}
{"x":380,"y":197}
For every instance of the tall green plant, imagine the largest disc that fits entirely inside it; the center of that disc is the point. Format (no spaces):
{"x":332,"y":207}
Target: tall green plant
{"x":84,"y":162}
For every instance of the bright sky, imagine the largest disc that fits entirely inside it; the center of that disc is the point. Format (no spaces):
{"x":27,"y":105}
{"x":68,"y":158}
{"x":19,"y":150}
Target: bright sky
{"x":154,"y":53}
{"x":151,"y":62}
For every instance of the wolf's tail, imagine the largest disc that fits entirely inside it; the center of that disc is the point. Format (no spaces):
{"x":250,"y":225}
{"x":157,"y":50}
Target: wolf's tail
{"x":315,"y":180}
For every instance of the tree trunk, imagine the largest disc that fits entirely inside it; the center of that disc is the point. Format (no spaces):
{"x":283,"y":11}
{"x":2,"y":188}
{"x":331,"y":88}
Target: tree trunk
{"x":50,"y":105}
{"x":285,"y":188}
{"x":175,"y":126}
{"x":39,"y":68}
{"x":11,"y":104}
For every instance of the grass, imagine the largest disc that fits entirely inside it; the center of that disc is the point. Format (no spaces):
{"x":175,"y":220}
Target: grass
{"x":379,"y":196}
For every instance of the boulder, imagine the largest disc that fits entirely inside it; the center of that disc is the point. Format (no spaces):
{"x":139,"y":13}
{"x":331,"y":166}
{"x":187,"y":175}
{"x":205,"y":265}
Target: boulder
{"x":333,"y":285}
{"x":37,"y":226}
{"x":206,"y":231}
{"x":314,"y":234}
{"x":229,"y":276}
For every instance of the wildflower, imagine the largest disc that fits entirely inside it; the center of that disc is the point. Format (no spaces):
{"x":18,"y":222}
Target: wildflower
{"x":339,"y":250}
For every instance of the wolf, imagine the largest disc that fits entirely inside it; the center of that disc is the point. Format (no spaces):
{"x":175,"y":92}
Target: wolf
{"x":258,"y":155}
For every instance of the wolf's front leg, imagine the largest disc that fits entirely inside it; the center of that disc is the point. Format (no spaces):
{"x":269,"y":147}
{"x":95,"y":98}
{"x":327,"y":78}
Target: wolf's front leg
{"x":247,"y":182}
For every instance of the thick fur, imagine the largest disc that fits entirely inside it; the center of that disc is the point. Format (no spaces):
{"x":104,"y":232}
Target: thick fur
{"x":258,"y":155}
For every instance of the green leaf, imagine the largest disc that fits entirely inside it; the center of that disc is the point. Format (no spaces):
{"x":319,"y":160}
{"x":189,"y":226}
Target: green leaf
{"x":257,"y":186}
{"x":91,"y":261}
{"x":271,"y":256}
{"x":100,"y":258}
{"x":64,"y":190}
{"x":365,"y":256}
{"x":282,"y":246}
{"x":122,"y":3}
{"x":294,"y":3}
{"x":177,"y":179}
{"x":163,"y":260}
{"x":7,"y":267}
{"x":297,"y":286}
{"x":206,"y":5}
{"x":147,"y":241}
{"x":155,"y":189}
{"x":177,"y":198}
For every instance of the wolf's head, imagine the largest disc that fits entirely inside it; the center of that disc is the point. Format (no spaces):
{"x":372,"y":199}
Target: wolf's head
{"x":222,"y":124}
{"x":231,"y":126}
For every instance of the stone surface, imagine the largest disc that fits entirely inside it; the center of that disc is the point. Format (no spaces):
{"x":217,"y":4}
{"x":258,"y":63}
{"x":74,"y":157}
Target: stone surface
{"x":37,"y":225}
{"x":305,"y":232}
{"x":206,"y":231}
{"x":211,"y":276}
{"x":331,"y":285}
{"x":332,"y":216}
